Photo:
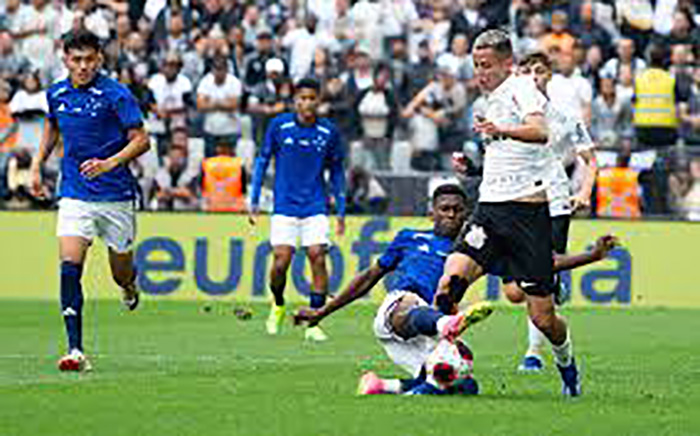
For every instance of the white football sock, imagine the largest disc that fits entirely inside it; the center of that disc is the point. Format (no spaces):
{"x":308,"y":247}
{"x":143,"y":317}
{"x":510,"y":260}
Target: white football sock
{"x":536,"y":339}
{"x":392,"y":385}
{"x":563,"y":353}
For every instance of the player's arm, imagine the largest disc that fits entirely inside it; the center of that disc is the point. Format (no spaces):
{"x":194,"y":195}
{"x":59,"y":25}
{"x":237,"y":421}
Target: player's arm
{"x":533,"y":129}
{"x":138,"y":144}
{"x":337,"y":179}
{"x":360,"y":286}
{"x":49,"y":139}
{"x":600,"y":251}
{"x":262,"y":161}
{"x":582,"y":198}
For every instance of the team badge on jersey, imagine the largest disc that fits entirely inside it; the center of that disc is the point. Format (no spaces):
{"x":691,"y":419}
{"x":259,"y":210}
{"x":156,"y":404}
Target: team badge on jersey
{"x":476,"y":237}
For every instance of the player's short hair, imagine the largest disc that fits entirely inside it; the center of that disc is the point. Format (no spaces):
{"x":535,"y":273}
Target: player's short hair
{"x":80,"y":40}
{"x":448,"y":189}
{"x":497,"y":40}
{"x":307,"y":83}
{"x":534,"y":58}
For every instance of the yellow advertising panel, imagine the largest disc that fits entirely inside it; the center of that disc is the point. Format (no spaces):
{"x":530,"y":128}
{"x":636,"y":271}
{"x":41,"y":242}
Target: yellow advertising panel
{"x":198,"y":256}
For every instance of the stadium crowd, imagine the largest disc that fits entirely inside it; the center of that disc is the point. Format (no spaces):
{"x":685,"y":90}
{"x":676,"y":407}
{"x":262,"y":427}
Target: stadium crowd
{"x":396,"y":78}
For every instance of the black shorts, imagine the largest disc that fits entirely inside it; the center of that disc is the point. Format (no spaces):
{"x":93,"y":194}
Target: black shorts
{"x":560,"y":233}
{"x":512,"y":239}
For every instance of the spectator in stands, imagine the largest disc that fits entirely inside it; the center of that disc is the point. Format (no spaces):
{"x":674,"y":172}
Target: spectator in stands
{"x":423,"y":70}
{"x":459,"y":56}
{"x":625,"y":84}
{"x":95,"y":17}
{"x":342,"y":25}
{"x":657,"y":96}
{"x":689,"y":196}
{"x":239,"y":51}
{"x":37,"y":26}
{"x":253,"y":24}
{"x":12,"y":63}
{"x":177,"y":39}
{"x":570,"y":92}
{"x":690,"y":112}
{"x":559,"y":39}
{"x":136,"y":56}
{"x":591,"y":33}
{"x":625,"y":56}
{"x":612,"y":117}
{"x":224,"y":181}
{"x":322,"y":68}
{"x":592,"y":65}
{"x":683,"y":30}
{"x":436,"y":30}
{"x":218,"y":98}
{"x":19,"y":181}
{"x":175,"y":186}
{"x":437,"y":118}
{"x":400,"y":66}
{"x":301,"y":43}
{"x":398,"y":17}
{"x":535,"y":30}
{"x":255,"y":63}
{"x":681,"y":67}
{"x":376,"y":113}
{"x":617,"y":192}
{"x":468,"y":21}
{"x":8,"y":125}
{"x":269,"y":98}
{"x":172,"y":92}
{"x":29,"y":107}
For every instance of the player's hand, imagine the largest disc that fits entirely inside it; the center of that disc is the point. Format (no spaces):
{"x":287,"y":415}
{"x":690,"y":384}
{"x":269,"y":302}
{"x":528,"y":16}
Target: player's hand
{"x":340,"y":226}
{"x":35,"y":185}
{"x":486,"y":127}
{"x":253,"y":213}
{"x":580,"y":201}
{"x":604,"y":245}
{"x":307,"y":315}
{"x":459,"y":162}
{"x":92,"y":168}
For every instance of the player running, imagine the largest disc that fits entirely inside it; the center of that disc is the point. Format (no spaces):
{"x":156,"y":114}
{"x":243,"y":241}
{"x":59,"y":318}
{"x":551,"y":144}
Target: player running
{"x":510,"y":230}
{"x":406,"y":325}
{"x":102,"y":131}
{"x":304,"y":147}
{"x":567,"y":136}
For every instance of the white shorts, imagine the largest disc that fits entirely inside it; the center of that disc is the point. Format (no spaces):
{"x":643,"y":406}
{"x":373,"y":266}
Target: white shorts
{"x":410,"y":354}
{"x":114,"y":222}
{"x":288,"y":230}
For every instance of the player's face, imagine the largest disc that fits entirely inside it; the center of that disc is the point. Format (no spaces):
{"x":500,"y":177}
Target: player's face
{"x":306,"y":102}
{"x":490,"y":68}
{"x":82,"y":65}
{"x":540,"y":74}
{"x":449,"y":215}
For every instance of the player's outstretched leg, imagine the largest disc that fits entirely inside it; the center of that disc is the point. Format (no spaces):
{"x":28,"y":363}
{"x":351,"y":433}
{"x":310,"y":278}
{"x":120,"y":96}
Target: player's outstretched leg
{"x":124,"y":275}
{"x":278,"y":280}
{"x":542,"y":313}
{"x":317,"y":297}
{"x":532,"y":362}
{"x":73,"y":250}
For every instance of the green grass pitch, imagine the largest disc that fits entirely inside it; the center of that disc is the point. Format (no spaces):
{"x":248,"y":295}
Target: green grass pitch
{"x":173,"y":369}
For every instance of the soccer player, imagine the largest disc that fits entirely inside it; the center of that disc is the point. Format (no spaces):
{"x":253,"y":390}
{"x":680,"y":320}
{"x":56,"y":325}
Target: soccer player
{"x":405,"y":324}
{"x":567,"y":136}
{"x":304,"y":147}
{"x":511,"y":224}
{"x":102,"y":131}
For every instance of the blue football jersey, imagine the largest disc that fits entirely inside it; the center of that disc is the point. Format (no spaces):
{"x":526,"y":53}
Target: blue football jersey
{"x":417,"y":259}
{"x":302,"y":155}
{"x":94,"y":121}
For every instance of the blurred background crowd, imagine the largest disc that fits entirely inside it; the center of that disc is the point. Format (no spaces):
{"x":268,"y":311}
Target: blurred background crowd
{"x":396,"y":77}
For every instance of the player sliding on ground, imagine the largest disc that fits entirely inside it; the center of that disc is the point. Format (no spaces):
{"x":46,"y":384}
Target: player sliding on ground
{"x":406,"y":325}
{"x":509,"y":233}
{"x":102,"y":130}
{"x":304,"y":147}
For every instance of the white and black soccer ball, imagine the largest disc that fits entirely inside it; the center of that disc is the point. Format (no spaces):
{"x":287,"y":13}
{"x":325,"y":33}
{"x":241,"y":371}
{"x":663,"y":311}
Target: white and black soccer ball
{"x":449,"y":362}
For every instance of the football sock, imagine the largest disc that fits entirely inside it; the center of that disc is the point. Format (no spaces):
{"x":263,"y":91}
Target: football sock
{"x":563,"y":353}
{"x":536,"y":339}
{"x":422,"y":321}
{"x":72,"y":303}
{"x":404,"y":384}
{"x":278,"y":295}
{"x":316,"y":300}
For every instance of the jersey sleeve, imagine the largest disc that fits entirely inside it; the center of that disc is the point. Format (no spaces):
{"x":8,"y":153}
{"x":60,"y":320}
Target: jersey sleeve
{"x":262,"y":161}
{"x":128,"y":110}
{"x":337,"y":171}
{"x":50,"y":112}
{"x":528,"y":99}
{"x":394,"y":254}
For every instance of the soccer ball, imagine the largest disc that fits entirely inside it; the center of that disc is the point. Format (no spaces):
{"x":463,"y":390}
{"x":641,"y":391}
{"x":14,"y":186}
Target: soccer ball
{"x":449,"y":362}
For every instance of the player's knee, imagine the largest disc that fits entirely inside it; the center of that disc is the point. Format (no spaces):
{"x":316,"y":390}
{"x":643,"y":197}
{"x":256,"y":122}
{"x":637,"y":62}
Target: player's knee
{"x":544,"y":321}
{"x":513,"y":293}
{"x":316,"y":255}
{"x":281,"y":263}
